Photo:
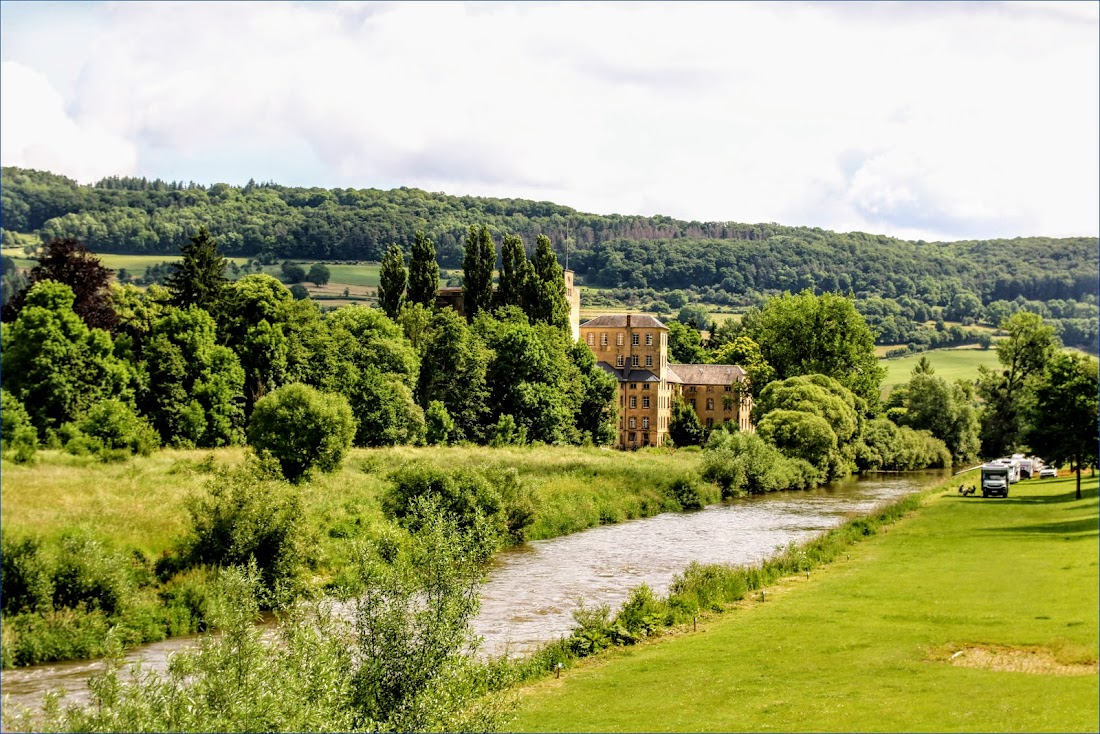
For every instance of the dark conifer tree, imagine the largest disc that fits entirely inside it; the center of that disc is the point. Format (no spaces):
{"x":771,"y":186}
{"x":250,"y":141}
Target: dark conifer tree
{"x":477,"y":271}
{"x":199,"y":278}
{"x":392,"y":281}
{"x":513,"y":273}
{"x":551,"y":306}
{"x":423,"y":272}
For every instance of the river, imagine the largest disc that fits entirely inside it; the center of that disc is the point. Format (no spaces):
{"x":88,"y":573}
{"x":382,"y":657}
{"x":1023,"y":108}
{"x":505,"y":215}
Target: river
{"x":533,"y":589}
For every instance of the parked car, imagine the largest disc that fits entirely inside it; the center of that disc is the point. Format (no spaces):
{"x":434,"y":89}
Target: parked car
{"x":1048,"y":471}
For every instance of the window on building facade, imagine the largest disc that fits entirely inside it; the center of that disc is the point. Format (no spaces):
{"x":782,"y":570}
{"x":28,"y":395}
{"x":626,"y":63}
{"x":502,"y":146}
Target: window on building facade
{"x":710,"y":423}
{"x":591,"y":339}
{"x":633,"y":401}
{"x":603,"y":339}
{"x":620,"y":361}
{"x":634,"y":339}
{"x":691,"y":388}
{"x":633,"y":422}
{"x":649,"y":360}
{"x":692,"y":403}
{"x":649,"y":340}
{"x":645,"y":402}
{"x":710,"y":388}
{"x":645,"y":423}
{"x":645,"y":385}
{"x":634,"y":360}
{"x":710,"y":403}
{"x":633,"y":386}
{"x":619,"y":338}
{"x":728,"y":388}
{"x":632,"y":437}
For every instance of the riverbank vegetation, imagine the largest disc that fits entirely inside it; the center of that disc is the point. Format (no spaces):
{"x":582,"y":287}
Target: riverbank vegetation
{"x":966,"y":615}
{"x":146,"y":571}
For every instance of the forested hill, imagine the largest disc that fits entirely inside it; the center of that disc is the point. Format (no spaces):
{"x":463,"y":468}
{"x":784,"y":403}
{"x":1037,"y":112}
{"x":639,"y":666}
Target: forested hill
{"x":130,"y":215}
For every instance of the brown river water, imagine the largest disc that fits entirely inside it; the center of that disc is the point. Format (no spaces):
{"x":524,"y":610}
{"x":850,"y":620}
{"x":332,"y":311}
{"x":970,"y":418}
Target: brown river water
{"x":533,"y":589}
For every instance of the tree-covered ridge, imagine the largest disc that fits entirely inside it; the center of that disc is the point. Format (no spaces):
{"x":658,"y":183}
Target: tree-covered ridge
{"x":719,"y":260}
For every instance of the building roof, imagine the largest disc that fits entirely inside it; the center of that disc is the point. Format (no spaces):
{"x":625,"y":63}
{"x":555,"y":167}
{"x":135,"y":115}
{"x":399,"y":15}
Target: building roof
{"x":633,"y":374}
{"x":621,"y":320}
{"x":708,"y":374}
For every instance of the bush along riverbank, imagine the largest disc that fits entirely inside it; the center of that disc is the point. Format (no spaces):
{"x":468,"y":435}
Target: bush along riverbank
{"x":700,"y":592}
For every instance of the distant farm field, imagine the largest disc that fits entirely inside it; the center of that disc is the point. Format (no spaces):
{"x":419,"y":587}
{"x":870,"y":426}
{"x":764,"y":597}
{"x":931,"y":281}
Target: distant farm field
{"x":950,"y":364}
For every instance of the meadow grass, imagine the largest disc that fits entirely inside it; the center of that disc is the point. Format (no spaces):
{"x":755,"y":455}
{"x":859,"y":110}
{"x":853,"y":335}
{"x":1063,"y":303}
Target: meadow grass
{"x":950,"y":364}
{"x":881,"y":639}
{"x":141,"y":503}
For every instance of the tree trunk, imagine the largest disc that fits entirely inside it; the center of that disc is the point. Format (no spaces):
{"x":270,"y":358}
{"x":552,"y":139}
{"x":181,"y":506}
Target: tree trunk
{"x":1078,"y":461}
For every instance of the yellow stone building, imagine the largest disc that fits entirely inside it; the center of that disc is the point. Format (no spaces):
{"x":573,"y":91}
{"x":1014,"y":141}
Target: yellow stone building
{"x":633,"y":348}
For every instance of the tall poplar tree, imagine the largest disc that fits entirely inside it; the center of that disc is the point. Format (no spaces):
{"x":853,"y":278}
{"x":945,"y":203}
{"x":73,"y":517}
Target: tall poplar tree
{"x":477,"y":271}
{"x":199,"y":278}
{"x":392,"y":281}
{"x":551,"y":306}
{"x":513,"y":273}
{"x":423,"y":272}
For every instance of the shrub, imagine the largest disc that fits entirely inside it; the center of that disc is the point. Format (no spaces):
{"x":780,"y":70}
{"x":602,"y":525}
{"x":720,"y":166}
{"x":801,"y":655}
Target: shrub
{"x":246,"y":515}
{"x":16,"y":432}
{"x":87,"y":575}
{"x":688,"y":493}
{"x":302,"y":428}
{"x":26,"y":578}
{"x":112,"y":429}
{"x":494,"y":494}
{"x":440,"y":425}
{"x":745,"y":462}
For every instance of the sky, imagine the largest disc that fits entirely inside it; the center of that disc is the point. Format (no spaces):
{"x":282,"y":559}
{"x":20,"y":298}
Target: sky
{"x":935,"y":121}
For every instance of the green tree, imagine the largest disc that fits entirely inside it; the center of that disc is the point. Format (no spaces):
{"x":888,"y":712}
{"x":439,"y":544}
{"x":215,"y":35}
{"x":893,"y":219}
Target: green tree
{"x":685,"y":344}
{"x":423,"y":272}
{"x":597,"y":393}
{"x":298,"y":292}
{"x":549,"y":306}
{"x":514,"y":273}
{"x":319,"y":274}
{"x":694,"y":316}
{"x":1062,"y":425}
{"x":1023,"y":354}
{"x":477,"y":271}
{"x":292,"y":272}
{"x":55,"y":364}
{"x":744,"y":352}
{"x":392,"y":282}
{"x":195,"y":385}
{"x":255,"y":328}
{"x":807,"y":334}
{"x":684,"y":427}
{"x":199,"y":277}
{"x":453,"y":371}
{"x":947,"y":411}
{"x":303,"y":429}
{"x":801,"y":435}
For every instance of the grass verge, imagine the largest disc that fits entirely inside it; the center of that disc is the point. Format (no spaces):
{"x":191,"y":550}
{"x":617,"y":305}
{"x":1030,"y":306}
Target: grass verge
{"x":969,"y":615}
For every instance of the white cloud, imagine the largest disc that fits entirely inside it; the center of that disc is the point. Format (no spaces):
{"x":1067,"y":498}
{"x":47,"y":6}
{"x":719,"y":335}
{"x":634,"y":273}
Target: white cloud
{"x":925,"y":120}
{"x":37,"y":132}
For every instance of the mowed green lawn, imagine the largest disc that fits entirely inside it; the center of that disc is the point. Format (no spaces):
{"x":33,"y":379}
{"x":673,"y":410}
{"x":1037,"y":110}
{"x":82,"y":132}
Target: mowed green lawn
{"x":883,"y":641}
{"x":950,"y":364}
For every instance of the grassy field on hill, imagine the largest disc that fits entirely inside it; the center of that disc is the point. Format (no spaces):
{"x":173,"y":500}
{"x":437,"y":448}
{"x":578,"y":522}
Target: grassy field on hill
{"x":140,"y":503}
{"x":950,"y":364}
{"x":970,"y":615}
